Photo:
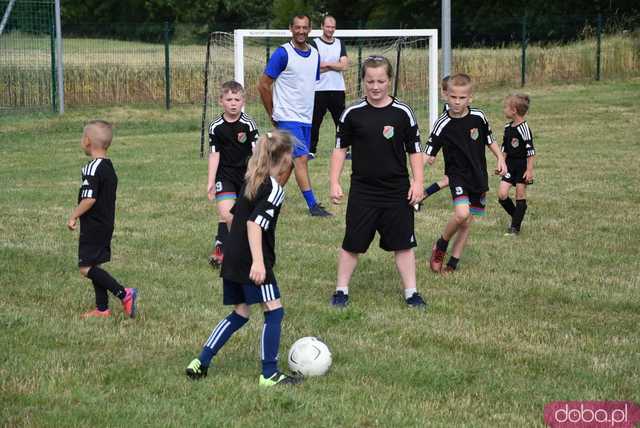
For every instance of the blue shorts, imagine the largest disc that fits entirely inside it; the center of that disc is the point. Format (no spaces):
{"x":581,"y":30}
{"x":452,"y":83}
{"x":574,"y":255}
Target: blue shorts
{"x":234,"y":293}
{"x":302,"y":131}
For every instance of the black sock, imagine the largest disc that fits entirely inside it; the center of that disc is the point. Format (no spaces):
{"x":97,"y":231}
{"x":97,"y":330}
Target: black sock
{"x":105,"y":281}
{"x":223,"y":231}
{"x":442,"y":244}
{"x":453,"y":262}
{"x":518,"y":214}
{"x":102,"y":298}
{"x":432,"y":189}
{"x":508,"y":206}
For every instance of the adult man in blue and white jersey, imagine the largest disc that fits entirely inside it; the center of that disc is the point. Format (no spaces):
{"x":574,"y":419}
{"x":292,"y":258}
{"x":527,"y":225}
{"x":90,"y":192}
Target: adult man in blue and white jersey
{"x":330,"y":90}
{"x":287,"y":90}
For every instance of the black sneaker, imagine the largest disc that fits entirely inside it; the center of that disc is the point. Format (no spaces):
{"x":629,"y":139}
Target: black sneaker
{"x":279,"y":379}
{"x":195,"y":370}
{"x":512,"y":231}
{"x":416,"y":301}
{"x":339,"y":300}
{"x":318,"y":211}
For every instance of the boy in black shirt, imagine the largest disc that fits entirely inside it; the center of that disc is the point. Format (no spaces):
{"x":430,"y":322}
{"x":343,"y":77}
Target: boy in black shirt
{"x":517,"y":146}
{"x":232,"y":137}
{"x":462,"y":133}
{"x":96,"y":210}
{"x":381,"y":132}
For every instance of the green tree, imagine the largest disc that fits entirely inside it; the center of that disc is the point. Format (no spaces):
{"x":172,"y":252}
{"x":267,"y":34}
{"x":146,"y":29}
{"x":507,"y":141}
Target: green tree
{"x":283,"y":10}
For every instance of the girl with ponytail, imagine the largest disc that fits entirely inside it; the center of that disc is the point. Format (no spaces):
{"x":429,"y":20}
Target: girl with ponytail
{"x":247,"y":268}
{"x":270,"y":151}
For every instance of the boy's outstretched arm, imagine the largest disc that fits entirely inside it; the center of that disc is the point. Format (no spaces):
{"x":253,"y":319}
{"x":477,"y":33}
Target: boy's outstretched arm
{"x":429,"y":160}
{"x":432,"y":148}
{"x":501,"y":166}
{"x":258,"y":272}
{"x":84,"y":206}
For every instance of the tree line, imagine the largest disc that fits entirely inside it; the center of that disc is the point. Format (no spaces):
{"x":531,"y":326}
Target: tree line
{"x":475,"y":21}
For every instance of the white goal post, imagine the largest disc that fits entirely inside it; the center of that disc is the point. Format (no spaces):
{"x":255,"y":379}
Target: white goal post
{"x":432,"y":36}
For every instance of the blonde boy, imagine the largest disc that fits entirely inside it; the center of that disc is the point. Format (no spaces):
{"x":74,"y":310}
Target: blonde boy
{"x":462,"y":132}
{"x":517,"y":146}
{"x":96,"y":211}
{"x":232,"y":137}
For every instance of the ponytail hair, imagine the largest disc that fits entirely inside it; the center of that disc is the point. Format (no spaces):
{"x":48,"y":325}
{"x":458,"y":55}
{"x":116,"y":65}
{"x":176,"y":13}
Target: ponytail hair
{"x":269,"y":151}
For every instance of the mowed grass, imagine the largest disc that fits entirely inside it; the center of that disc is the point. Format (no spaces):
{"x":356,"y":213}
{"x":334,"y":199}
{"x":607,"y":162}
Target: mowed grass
{"x":552,"y":314}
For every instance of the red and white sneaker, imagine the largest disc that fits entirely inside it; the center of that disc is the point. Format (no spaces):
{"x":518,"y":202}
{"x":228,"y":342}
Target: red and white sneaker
{"x":437,"y":257}
{"x":129,"y":302}
{"x":216,"y":257}
{"x":96,"y":314}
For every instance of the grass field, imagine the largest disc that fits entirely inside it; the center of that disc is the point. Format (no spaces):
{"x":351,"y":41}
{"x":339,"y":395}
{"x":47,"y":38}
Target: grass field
{"x":550,"y":315}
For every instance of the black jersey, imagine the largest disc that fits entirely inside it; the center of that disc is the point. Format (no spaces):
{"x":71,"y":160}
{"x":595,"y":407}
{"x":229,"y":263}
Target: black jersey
{"x":380,"y":138}
{"x":262,"y":210}
{"x":234,"y":141}
{"x":99,"y":182}
{"x":518,"y":141}
{"x":463,"y":141}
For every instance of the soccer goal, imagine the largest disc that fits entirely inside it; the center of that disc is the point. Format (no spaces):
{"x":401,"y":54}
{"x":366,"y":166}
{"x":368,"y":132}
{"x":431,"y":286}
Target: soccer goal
{"x":243,"y":55}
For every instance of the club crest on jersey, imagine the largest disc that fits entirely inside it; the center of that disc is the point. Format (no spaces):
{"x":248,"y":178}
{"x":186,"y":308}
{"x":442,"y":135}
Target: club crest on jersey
{"x":515,"y":142}
{"x":474,"y":133}
{"x":242,"y":137}
{"x":387,"y":131}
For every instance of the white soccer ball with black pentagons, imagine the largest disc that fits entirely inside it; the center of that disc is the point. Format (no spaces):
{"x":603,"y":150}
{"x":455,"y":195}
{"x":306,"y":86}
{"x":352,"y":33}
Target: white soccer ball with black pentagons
{"x":309,"y":356}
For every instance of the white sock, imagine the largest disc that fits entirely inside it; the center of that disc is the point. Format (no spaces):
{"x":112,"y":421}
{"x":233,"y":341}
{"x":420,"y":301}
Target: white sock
{"x":408,"y":292}
{"x":345,"y":290}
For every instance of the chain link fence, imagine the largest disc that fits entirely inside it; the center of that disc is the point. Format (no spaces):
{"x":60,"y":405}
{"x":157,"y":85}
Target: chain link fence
{"x":162,"y":64}
{"x":27,"y":55}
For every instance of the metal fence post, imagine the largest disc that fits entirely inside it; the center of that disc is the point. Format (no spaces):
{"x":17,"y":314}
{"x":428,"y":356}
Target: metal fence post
{"x":54,"y":84}
{"x":167,"y":70}
{"x":523,"y":65}
{"x":59,"y":62}
{"x":445,"y":13}
{"x":359,"y":61}
{"x":268,"y":47}
{"x":599,"y":47}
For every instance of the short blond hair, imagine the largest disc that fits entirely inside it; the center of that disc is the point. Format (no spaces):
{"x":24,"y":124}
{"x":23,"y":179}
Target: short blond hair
{"x":99,"y":132}
{"x":520,"y":102}
{"x":459,"y":79}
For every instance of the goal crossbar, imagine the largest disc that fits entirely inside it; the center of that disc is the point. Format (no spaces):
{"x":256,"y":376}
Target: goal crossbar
{"x":430,"y":34}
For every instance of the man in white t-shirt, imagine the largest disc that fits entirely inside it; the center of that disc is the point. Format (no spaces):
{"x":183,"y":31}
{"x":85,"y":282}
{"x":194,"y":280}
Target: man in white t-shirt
{"x":330,"y":89}
{"x":287,"y":90}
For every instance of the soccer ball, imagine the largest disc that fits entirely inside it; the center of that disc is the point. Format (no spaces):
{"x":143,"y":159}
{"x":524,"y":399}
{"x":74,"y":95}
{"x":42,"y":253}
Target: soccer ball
{"x":309,"y":356}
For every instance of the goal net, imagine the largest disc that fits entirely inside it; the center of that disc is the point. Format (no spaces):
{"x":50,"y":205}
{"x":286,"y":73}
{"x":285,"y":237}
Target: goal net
{"x":243,"y":55}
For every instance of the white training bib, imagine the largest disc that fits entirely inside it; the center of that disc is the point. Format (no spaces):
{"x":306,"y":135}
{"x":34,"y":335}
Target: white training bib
{"x":294,"y":88}
{"x":329,"y":52}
